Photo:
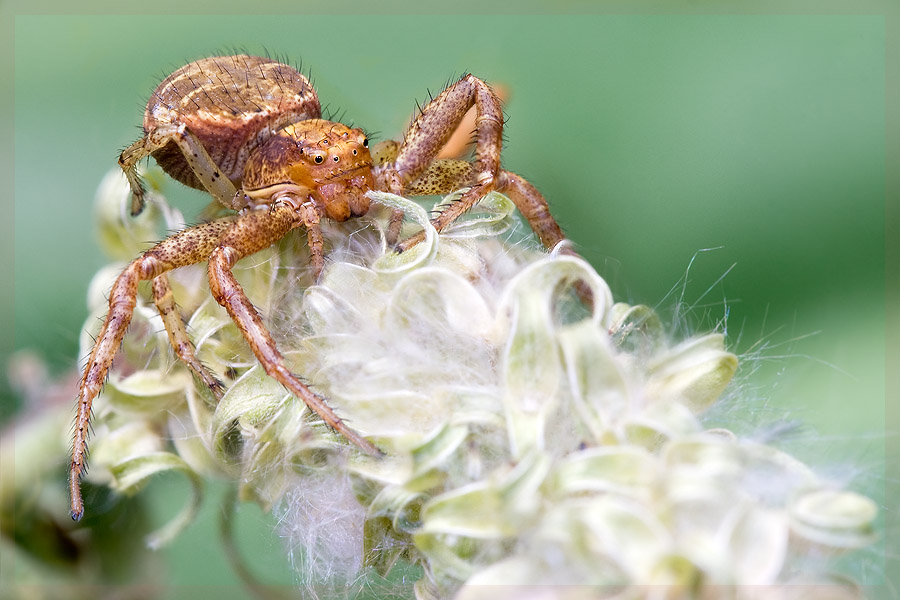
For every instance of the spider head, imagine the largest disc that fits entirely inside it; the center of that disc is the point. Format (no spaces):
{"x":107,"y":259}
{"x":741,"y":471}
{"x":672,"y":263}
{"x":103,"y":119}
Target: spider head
{"x":323,"y":160}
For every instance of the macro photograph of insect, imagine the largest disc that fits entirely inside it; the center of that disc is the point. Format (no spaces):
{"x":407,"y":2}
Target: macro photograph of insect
{"x":446,"y":306}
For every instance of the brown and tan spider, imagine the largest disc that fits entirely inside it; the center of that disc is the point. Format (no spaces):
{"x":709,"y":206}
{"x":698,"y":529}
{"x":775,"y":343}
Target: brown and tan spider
{"x":249,"y":131}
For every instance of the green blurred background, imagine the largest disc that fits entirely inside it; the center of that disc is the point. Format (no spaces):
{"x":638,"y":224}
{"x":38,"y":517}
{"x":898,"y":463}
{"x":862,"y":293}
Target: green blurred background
{"x":652,"y":136}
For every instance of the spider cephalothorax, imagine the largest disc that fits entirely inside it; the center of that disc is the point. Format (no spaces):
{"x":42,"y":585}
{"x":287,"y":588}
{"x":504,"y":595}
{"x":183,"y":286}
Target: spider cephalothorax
{"x":249,"y":131}
{"x":326,"y":162}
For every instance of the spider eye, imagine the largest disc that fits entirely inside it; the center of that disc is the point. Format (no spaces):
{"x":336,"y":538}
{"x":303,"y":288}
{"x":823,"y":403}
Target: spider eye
{"x":355,"y":152}
{"x":319,"y":159}
{"x":336,"y":159}
{"x":365,"y":142}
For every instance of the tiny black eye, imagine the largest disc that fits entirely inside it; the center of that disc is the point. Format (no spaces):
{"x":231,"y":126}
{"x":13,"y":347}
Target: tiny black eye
{"x":354,"y":152}
{"x":366,"y":143}
{"x":336,"y":159}
{"x":318,"y":159}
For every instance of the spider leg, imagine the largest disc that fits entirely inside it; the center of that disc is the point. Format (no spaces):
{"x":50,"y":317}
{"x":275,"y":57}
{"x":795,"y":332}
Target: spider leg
{"x":251,"y":233}
{"x":128,"y":160}
{"x":201,"y":164}
{"x":178,"y":335}
{"x":405,"y":163}
{"x":382,"y":153}
{"x":437,"y":121}
{"x":395,"y":225}
{"x":444,"y":176}
{"x":533,"y":206}
{"x":412,"y":168}
{"x":186,"y":247}
{"x":315,"y":241}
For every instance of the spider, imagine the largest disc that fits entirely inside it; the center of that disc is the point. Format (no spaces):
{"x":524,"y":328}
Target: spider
{"x":249,"y":130}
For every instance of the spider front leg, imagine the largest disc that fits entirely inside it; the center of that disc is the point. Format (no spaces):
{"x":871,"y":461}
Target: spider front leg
{"x":251,"y":233}
{"x":186,"y":247}
{"x":196,"y":158}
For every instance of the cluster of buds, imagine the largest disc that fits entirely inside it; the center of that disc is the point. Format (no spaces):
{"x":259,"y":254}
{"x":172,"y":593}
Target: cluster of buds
{"x":532,"y":445}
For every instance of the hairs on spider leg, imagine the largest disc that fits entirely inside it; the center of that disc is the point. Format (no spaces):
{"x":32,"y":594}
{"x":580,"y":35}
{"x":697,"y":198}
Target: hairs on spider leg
{"x":450,"y":80}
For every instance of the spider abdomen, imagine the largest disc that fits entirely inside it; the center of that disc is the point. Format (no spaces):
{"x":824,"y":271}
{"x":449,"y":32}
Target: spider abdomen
{"x":231,"y":104}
